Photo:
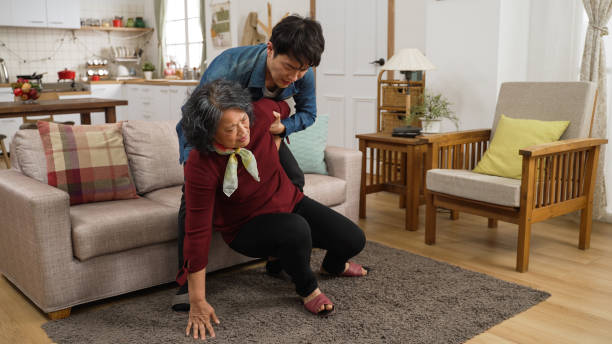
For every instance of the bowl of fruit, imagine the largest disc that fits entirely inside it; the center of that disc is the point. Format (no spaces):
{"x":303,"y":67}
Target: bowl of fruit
{"x":26,"y":91}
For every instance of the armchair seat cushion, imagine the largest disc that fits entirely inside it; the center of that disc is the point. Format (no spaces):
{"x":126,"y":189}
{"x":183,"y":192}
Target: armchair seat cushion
{"x":475,"y":186}
{"x":108,"y":227}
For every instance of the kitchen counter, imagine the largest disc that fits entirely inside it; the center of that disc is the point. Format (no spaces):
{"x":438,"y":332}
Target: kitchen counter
{"x":157,"y":82}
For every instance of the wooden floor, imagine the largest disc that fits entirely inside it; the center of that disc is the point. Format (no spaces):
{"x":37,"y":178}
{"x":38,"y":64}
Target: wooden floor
{"x":579,"y":310}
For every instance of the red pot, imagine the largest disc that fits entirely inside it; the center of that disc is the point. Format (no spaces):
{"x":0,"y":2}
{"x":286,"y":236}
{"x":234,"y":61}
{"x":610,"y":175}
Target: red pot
{"x":66,"y":74}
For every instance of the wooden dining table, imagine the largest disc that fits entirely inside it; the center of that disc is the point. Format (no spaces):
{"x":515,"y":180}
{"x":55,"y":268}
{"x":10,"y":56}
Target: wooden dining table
{"x":83,"y":106}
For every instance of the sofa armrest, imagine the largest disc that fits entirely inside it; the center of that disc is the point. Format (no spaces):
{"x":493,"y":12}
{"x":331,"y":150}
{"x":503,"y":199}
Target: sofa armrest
{"x":35,"y":235}
{"x":346,"y":164}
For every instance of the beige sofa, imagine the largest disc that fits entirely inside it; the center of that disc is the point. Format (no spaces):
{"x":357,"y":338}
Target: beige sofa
{"x":60,"y":256}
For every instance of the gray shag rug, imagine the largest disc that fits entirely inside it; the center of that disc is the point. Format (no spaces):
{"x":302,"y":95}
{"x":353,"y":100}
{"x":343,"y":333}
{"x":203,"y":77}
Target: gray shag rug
{"x":406,"y":298}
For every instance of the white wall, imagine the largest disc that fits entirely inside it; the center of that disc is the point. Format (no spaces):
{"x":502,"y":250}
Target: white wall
{"x":462,"y":40}
{"x":410,"y":24}
{"x":556,"y":39}
{"x":513,"y":46}
{"x":239,"y":10}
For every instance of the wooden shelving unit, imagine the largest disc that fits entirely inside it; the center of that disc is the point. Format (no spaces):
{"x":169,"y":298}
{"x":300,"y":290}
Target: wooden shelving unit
{"x":392,"y":101}
{"x":116,"y":29}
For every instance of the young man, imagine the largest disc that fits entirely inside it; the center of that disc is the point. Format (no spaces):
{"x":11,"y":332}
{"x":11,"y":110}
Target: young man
{"x":279,"y":69}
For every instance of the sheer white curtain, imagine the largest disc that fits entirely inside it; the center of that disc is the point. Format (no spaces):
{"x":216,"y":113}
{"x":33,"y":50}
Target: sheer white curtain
{"x":593,"y":68}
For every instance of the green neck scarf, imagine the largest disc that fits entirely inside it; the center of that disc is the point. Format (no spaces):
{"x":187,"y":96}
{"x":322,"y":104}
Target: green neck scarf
{"x":230,"y":180}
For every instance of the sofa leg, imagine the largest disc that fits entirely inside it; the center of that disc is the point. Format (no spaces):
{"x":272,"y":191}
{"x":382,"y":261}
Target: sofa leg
{"x":61,"y":314}
{"x":492,"y":223}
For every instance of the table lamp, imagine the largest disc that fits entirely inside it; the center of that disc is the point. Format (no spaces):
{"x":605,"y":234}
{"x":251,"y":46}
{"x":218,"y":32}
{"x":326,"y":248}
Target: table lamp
{"x":406,"y":61}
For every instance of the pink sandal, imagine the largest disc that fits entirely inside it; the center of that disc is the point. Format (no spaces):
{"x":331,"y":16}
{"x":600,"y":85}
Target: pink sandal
{"x":314,"y":305}
{"x":354,"y":270}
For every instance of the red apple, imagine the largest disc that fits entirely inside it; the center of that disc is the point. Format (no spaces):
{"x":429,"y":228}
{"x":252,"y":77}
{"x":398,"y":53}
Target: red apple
{"x":33,"y":93}
{"x":17,"y":92}
{"x":24,"y":96}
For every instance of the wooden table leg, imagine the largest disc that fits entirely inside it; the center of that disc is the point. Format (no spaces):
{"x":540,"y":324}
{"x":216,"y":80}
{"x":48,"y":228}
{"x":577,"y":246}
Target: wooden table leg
{"x":362,"y":189}
{"x":109,"y":115}
{"x":412,"y":188}
{"x":403,"y":167}
{"x":85,"y":118}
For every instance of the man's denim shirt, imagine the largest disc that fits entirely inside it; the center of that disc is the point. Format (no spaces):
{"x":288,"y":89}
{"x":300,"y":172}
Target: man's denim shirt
{"x":247,"y":66}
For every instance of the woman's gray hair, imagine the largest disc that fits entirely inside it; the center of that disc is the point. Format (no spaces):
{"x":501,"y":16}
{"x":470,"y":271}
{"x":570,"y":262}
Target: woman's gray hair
{"x":205,"y":106}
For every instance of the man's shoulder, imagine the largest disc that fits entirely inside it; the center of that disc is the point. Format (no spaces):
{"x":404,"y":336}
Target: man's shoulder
{"x":243,"y":52}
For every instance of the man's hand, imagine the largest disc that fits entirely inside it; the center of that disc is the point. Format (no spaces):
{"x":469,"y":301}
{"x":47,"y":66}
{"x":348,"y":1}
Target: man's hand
{"x":200,"y":314}
{"x":277,"y":127}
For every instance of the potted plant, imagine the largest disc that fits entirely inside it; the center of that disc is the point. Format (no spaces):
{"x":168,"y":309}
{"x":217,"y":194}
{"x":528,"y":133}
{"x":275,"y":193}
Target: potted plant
{"x":431,"y":111}
{"x":148,"y":69}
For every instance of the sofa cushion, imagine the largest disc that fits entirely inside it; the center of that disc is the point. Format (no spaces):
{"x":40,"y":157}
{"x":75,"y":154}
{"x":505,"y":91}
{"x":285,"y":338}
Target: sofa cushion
{"x":326,"y":190}
{"x":170,"y":197}
{"x":87,"y":161}
{"x":108,"y":227}
{"x":475,"y":186}
{"x":153,"y":152}
{"x":27,"y":149}
{"x":308,"y":146}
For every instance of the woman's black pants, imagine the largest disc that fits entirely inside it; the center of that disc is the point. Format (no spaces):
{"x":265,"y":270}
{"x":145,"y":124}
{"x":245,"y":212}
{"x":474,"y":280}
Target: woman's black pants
{"x":291,"y":237}
{"x":290,"y":166}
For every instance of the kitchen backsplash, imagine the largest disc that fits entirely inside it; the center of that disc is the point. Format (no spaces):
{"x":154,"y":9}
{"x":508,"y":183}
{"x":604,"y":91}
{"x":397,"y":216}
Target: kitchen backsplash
{"x":73,"y":48}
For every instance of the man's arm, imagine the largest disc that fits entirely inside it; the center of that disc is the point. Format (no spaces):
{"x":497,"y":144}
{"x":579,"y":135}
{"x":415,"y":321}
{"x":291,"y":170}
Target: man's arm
{"x":305,"y":105}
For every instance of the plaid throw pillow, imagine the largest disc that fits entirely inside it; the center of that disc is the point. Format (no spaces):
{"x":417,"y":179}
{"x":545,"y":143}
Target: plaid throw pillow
{"x":87,"y":161}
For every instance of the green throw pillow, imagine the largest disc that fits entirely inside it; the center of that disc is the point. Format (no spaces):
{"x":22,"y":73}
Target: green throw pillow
{"x":308,"y":146}
{"x":503,"y":158}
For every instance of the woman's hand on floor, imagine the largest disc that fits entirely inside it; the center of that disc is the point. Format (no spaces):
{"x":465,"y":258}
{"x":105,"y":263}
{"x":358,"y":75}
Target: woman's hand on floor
{"x":200,"y":315}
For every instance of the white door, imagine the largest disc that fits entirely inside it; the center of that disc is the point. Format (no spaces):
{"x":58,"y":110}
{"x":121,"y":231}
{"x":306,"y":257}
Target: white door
{"x":355,"y":35}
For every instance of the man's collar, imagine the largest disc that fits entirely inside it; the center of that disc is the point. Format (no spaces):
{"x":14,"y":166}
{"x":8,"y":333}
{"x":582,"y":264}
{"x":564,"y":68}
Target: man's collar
{"x":258,"y":77}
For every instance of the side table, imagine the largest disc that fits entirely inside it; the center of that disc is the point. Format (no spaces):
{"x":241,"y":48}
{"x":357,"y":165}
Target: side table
{"x":397,"y":165}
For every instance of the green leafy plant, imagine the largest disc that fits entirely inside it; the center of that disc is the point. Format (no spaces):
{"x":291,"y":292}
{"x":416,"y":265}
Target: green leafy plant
{"x":148,"y":67}
{"x":433,"y":107}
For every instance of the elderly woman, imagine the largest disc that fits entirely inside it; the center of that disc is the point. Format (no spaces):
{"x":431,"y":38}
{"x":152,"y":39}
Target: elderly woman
{"x":234,"y":182}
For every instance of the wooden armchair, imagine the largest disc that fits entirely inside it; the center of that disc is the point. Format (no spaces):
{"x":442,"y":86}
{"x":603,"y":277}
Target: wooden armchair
{"x":557,"y":178}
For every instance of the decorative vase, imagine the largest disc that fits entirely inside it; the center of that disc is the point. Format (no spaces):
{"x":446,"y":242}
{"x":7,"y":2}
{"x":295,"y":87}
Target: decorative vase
{"x":148,"y":75}
{"x":431,"y":126}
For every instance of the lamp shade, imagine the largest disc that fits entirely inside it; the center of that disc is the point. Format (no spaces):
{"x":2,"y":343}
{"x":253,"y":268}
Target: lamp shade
{"x":409,"y":60}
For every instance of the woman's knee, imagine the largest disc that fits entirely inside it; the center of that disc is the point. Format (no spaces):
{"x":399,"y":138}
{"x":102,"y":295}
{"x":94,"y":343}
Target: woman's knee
{"x":295,"y":231}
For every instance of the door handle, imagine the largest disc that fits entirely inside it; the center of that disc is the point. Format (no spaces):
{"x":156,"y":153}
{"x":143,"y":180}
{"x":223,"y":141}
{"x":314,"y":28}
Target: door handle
{"x":380,"y":62}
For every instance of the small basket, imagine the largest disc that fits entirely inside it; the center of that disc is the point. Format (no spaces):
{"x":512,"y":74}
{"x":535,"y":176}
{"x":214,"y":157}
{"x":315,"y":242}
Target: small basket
{"x":394,"y":96}
{"x":392,"y":120}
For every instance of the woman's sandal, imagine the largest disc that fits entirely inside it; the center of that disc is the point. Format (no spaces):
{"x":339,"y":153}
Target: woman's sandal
{"x":314,"y":306}
{"x":354,"y":270}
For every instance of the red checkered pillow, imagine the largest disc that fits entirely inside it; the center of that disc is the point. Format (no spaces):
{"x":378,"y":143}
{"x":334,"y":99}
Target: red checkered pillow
{"x":87,"y":161}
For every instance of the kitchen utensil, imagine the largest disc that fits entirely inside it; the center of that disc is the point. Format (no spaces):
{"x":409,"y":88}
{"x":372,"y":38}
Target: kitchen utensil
{"x":66,"y":74}
{"x":117,"y":23}
{"x":4,"y":75}
{"x":95,"y":78}
{"x":122,"y":70}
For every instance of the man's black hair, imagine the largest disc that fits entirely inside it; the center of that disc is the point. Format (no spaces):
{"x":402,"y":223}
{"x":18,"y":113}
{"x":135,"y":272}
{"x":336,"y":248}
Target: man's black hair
{"x":299,"y":38}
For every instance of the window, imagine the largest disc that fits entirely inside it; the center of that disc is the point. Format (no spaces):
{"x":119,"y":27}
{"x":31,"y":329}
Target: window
{"x":183,"y":33}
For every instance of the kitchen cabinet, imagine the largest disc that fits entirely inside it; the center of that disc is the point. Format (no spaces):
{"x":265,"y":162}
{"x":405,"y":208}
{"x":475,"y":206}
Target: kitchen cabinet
{"x":178,"y":96}
{"x":63,"y":14}
{"x":41,"y":13}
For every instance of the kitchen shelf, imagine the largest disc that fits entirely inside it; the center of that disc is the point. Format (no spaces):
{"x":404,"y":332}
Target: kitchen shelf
{"x":119,"y":29}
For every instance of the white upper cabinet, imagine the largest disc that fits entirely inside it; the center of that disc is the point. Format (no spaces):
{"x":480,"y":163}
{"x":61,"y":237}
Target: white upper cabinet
{"x":32,"y":13}
{"x":64,"y":14}
{"x":41,"y":13}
